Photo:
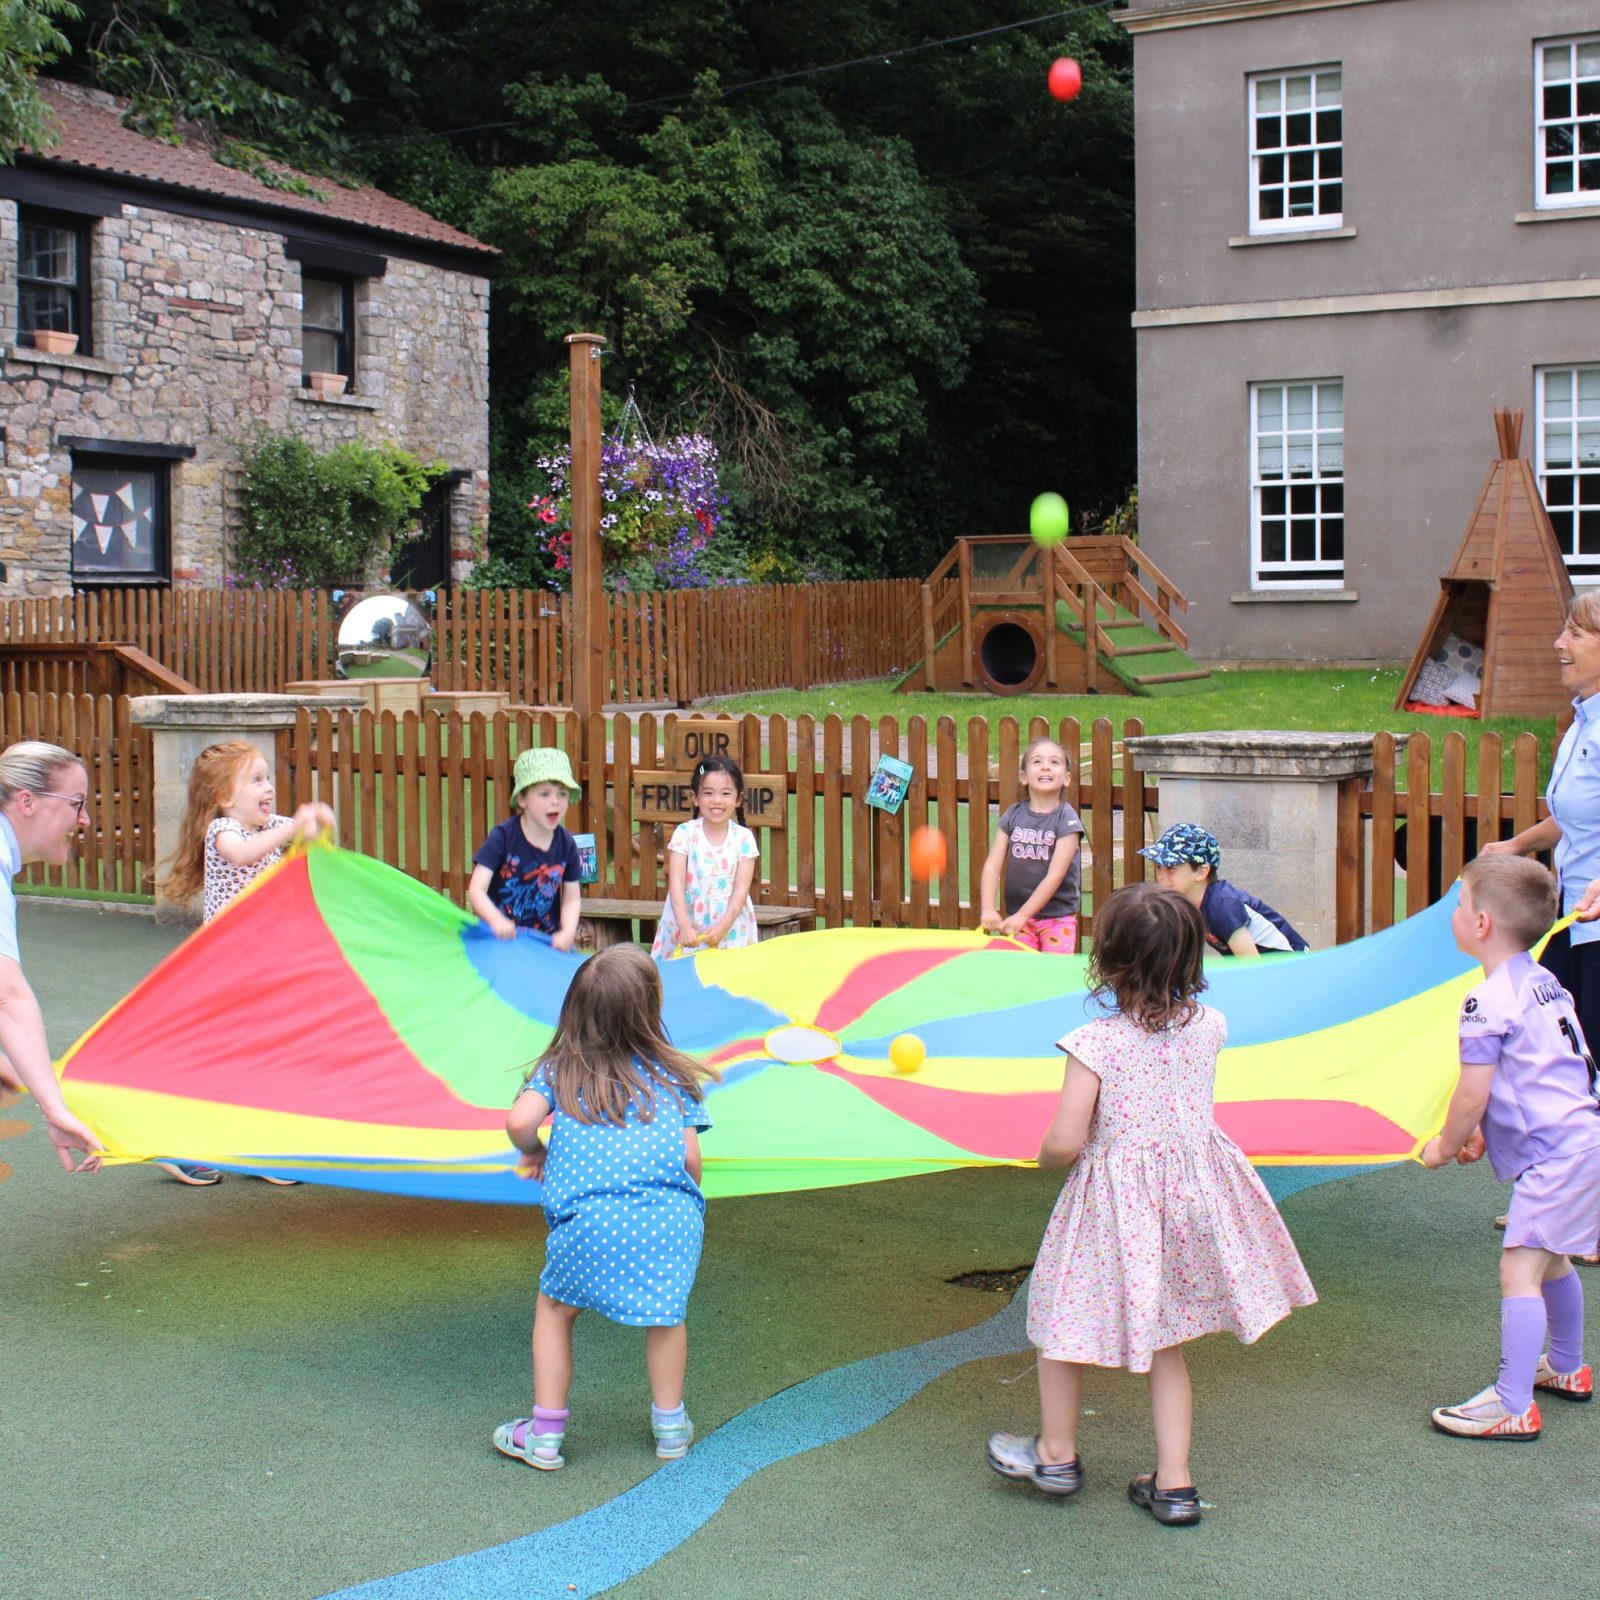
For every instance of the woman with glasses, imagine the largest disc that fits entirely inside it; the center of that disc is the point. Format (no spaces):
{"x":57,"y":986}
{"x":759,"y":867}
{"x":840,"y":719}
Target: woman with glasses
{"x":44,"y":792}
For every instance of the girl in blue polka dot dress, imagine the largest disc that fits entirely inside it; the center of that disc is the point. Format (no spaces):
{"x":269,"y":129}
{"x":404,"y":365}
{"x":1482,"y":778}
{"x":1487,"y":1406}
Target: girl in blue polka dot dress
{"x":622,"y":1194}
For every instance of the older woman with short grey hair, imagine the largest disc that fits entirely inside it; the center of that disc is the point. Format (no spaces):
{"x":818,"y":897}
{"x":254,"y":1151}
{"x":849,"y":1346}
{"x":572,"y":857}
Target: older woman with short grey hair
{"x":44,"y":795}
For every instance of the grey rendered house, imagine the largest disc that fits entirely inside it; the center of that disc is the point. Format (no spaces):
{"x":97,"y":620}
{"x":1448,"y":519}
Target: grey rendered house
{"x":200,"y":302}
{"x":1362,"y":226}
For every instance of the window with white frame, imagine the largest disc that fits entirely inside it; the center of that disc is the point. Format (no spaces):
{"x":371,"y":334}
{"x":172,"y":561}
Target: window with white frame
{"x":1569,"y":462}
{"x":1297,"y":151}
{"x":1567,"y":122}
{"x":1297,"y":484}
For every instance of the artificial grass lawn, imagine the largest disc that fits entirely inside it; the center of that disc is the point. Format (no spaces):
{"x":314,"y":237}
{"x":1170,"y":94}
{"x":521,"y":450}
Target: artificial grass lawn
{"x":1311,"y":698}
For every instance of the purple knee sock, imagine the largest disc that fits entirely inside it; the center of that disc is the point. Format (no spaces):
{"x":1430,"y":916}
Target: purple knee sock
{"x":1563,"y":1301}
{"x":547,"y":1419}
{"x":1522,"y":1325}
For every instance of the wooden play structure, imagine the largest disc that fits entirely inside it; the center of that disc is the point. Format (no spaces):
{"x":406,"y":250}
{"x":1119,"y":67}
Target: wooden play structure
{"x":1092,"y":615}
{"x":1506,"y":592}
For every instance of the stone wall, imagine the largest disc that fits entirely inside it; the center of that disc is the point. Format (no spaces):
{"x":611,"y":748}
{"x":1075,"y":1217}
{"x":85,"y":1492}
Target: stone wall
{"x":196,"y":341}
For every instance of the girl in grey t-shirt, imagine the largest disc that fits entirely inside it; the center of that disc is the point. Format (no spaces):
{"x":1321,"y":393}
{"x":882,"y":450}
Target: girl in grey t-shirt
{"x":1036,"y":847}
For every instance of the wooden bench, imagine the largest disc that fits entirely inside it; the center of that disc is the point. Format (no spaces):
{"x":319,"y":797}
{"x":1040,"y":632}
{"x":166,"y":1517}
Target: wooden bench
{"x":607,"y":922}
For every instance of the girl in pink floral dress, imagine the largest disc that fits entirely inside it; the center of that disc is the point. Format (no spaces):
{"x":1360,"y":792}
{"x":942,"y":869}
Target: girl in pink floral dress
{"x":711,"y":863}
{"x":1163,"y":1231}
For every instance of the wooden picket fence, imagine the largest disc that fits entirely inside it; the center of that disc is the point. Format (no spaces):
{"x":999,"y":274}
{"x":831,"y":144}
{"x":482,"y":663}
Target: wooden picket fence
{"x":666,"y":647}
{"x":421,"y":792}
{"x":116,"y":855}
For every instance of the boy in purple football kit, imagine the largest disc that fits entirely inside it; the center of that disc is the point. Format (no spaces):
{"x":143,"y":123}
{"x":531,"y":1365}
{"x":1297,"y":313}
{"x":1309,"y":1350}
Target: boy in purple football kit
{"x":1526,"y":1096}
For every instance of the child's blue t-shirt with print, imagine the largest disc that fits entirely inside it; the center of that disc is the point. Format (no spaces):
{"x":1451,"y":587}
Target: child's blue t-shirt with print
{"x":525,"y":882}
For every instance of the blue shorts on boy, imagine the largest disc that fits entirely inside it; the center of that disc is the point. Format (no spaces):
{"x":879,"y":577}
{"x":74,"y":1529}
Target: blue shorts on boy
{"x":525,"y":882}
{"x":626,"y":1219}
{"x":1542,"y":1123}
{"x":1226,"y":910}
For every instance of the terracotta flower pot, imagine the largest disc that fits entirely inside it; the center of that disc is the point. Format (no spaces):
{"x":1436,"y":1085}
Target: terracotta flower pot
{"x":326,"y":382}
{"x":54,"y":342}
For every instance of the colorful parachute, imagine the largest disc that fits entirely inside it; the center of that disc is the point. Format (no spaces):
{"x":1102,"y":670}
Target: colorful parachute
{"x":343,"y":1024}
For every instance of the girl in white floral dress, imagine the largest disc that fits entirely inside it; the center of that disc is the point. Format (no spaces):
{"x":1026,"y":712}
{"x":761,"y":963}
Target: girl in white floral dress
{"x":1163,"y":1232}
{"x":711,"y":863}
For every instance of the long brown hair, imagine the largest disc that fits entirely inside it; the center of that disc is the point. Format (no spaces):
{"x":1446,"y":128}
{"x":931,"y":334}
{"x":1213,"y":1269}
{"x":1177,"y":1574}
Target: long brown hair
{"x":218,"y":771}
{"x":1149,"y":948}
{"x":611,"y":1049}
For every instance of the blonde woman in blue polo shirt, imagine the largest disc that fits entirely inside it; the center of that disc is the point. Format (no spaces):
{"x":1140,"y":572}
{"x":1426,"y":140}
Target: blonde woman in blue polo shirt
{"x":44,"y":794}
{"x":1572,"y":829}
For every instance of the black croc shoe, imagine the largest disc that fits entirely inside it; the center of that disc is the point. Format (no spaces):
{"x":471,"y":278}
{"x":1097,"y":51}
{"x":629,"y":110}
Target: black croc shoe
{"x":1173,"y":1508}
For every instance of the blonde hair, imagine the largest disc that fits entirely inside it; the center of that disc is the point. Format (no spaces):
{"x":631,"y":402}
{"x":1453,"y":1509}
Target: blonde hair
{"x":611,"y":1049}
{"x":31,"y":765}
{"x":1584,"y":612}
{"x":218,"y":771}
{"x":1517,"y":892}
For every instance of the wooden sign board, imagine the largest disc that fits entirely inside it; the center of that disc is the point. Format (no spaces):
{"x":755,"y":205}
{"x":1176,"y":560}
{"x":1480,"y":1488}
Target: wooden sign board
{"x":665,"y":797}
{"x":692,"y":739}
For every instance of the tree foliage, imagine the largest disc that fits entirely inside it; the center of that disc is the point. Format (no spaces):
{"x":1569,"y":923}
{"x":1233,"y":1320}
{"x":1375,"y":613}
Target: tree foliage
{"x":29,"y":40}
{"x":897,"y":295}
{"x":324,"y":519}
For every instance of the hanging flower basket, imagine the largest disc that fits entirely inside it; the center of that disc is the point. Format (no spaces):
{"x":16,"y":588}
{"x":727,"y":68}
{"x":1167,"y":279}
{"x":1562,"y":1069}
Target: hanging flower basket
{"x":660,"y":504}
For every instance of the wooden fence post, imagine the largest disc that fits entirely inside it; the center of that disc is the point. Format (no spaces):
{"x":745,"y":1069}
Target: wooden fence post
{"x":591,"y":676}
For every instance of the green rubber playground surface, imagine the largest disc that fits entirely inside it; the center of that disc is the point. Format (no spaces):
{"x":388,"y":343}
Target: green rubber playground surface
{"x":250,"y":1393}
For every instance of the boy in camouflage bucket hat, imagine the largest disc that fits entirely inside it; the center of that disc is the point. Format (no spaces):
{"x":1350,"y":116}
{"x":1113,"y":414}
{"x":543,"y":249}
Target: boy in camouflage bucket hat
{"x":1188,"y":858}
{"x":526,"y":873}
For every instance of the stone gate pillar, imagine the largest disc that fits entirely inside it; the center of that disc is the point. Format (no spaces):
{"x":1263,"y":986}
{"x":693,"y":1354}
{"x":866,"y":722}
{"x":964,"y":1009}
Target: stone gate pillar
{"x":181,"y":726}
{"x":1283,"y":807}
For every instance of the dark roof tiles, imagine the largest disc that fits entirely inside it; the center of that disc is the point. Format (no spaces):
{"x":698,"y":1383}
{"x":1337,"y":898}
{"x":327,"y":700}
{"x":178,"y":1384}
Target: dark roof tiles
{"x":91,"y":137}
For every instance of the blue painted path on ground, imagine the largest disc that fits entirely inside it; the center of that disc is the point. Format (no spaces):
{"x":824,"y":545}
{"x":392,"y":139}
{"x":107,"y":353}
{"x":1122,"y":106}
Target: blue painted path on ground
{"x":588,"y":1554}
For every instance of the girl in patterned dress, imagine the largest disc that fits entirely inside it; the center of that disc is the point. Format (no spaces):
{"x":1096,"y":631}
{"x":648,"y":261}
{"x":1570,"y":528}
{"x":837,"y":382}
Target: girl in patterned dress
{"x":711,"y":863}
{"x":1163,"y":1232}
{"x":230,"y":832}
{"x":229,"y":836}
{"x":622,"y":1195}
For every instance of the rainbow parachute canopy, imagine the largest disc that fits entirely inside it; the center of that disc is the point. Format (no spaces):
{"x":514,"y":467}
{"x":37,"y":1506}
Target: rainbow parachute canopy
{"x":343,"y":1024}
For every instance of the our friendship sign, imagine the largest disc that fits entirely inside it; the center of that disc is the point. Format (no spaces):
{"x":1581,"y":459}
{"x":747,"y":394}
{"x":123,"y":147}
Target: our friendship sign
{"x":666,"y":797}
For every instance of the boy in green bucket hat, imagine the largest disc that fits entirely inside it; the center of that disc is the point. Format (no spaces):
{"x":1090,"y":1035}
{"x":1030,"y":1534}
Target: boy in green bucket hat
{"x":525,"y":874}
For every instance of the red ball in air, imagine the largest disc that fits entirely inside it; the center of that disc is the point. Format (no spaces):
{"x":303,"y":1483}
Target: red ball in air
{"x":1065,"y":79}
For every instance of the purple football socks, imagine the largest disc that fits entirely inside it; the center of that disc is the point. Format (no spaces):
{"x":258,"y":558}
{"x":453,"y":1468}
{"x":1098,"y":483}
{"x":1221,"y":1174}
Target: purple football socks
{"x":1563,"y":1302}
{"x":1522,"y":1327}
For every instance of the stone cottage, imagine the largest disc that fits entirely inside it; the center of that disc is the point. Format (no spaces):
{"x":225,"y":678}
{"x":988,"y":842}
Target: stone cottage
{"x":199,"y":303}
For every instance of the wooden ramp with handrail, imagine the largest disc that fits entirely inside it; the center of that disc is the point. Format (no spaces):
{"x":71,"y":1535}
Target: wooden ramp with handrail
{"x":1092,"y":615}
{"x":93,"y":667}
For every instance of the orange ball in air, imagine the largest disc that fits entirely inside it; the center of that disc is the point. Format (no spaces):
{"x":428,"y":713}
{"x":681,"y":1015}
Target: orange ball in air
{"x":928,"y":853}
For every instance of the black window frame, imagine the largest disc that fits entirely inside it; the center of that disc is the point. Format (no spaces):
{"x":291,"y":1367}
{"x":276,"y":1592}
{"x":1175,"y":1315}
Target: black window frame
{"x":81,"y":292}
{"x":92,"y":456}
{"x":344,"y":336}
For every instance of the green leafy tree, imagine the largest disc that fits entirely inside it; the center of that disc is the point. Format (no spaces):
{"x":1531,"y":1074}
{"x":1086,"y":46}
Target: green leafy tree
{"x":263,"y":81}
{"x":898,"y":295}
{"x":316,"y":520}
{"x":29,"y":40}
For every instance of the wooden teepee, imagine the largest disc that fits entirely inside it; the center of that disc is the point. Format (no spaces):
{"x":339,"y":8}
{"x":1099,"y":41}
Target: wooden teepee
{"x":1506,"y":590}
